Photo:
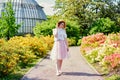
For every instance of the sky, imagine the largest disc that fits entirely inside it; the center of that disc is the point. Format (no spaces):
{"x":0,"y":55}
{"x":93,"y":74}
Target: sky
{"x":48,"y":6}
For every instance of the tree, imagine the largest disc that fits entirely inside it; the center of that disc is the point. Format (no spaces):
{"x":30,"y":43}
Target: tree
{"x":8,"y":26}
{"x":85,"y":12}
{"x":81,"y":11}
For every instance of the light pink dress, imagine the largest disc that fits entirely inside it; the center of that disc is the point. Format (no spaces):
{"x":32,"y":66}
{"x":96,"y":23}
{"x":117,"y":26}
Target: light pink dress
{"x":59,"y":50}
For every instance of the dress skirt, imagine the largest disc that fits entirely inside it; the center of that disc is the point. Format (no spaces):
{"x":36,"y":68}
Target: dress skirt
{"x":59,"y":50}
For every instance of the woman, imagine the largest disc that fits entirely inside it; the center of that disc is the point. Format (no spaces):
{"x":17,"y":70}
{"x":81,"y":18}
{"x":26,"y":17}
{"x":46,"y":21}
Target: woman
{"x":60,"y":48}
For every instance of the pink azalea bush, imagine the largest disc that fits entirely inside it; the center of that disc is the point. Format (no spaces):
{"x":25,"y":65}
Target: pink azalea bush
{"x":113,"y":60}
{"x":90,"y":42}
{"x":102,"y":49}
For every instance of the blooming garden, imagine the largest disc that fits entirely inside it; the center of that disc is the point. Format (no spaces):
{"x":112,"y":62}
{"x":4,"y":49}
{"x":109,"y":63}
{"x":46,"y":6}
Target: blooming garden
{"x":101,"y":46}
{"x":103,"y":51}
{"x":19,"y":52}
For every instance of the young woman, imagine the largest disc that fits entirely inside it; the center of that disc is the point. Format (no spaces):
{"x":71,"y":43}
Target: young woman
{"x":60,"y":48}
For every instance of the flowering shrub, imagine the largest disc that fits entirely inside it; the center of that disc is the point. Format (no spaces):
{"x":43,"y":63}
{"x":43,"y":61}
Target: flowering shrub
{"x":113,"y":77}
{"x":92,"y":55}
{"x":26,"y":56}
{"x":113,"y":39}
{"x":2,"y":42}
{"x":71,"y":41}
{"x":49,"y":40}
{"x":8,"y":59}
{"x":92,"y":41}
{"x":39,"y":46}
{"x":113,"y":60}
{"x":21,"y":51}
{"x":103,"y":51}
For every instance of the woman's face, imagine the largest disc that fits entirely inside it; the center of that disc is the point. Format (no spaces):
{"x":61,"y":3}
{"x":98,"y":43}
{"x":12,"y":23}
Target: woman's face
{"x":61,"y":25}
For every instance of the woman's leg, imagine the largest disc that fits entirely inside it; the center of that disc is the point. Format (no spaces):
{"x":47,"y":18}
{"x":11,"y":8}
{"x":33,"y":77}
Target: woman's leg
{"x":58,"y":66}
{"x":60,"y":61}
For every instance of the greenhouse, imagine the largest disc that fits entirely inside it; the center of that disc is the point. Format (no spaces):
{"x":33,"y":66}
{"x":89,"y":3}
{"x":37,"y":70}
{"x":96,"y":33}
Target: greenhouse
{"x":27,"y":13}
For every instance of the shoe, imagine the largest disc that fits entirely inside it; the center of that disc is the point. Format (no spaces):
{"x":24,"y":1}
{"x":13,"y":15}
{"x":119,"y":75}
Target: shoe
{"x":58,"y":74}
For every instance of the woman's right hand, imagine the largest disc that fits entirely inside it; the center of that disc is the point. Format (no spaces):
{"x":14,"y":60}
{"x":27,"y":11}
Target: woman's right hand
{"x":55,"y":32}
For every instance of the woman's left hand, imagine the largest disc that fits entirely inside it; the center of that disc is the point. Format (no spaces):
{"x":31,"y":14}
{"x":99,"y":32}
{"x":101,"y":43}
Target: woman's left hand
{"x":67,"y":49}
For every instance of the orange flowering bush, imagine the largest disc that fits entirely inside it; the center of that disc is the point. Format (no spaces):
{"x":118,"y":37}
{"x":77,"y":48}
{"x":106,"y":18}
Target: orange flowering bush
{"x":103,"y":50}
{"x":113,"y":60}
{"x":113,"y":39}
{"x":92,"y":41}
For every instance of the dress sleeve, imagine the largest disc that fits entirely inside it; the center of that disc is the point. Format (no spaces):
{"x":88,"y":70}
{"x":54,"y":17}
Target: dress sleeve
{"x":54,"y":31}
{"x":65,"y":34}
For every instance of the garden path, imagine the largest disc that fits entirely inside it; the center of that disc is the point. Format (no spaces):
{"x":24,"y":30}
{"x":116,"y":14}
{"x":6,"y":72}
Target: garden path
{"x":74,"y":68}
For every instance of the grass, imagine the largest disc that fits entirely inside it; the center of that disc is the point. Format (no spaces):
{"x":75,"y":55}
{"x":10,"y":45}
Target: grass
{"x":18,"y":74}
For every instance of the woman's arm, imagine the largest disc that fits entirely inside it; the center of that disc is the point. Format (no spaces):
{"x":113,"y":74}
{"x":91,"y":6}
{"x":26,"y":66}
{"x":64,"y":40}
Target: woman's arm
{"x":55,"y":32}
{"x":66,"y":41}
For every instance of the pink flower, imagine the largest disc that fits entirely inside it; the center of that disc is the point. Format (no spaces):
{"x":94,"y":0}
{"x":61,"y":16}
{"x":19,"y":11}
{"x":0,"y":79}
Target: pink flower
{"x":113,"y":59}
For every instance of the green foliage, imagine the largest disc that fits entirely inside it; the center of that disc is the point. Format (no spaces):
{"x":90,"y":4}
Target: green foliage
{"x":26,"y":56}
{"x":72,"y":41}
{"x":72,"y":30}
{"x":113,"y":77}
{"x":79,"y":42}
{"x":104,"y":25}
{"x":45,"y":28}
{"x":91,"y":55}
{"x":8,"y":26}
{"x":76,"y":10}
{"x":85,"y":12}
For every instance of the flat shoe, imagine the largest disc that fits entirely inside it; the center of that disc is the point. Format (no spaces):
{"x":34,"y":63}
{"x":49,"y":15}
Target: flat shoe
{"x":58,"y":74}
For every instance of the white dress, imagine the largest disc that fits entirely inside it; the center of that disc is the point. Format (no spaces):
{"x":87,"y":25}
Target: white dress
{"x":59,"y":50}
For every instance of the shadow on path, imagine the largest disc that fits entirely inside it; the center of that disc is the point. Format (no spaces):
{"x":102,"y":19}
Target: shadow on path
{"x":26,"y":78}
{"x":79,"y":74}
{"x":67,"y":74}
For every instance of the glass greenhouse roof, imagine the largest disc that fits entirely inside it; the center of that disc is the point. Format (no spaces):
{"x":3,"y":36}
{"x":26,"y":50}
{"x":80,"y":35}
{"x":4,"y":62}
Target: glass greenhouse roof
{"x":27,"y":12}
